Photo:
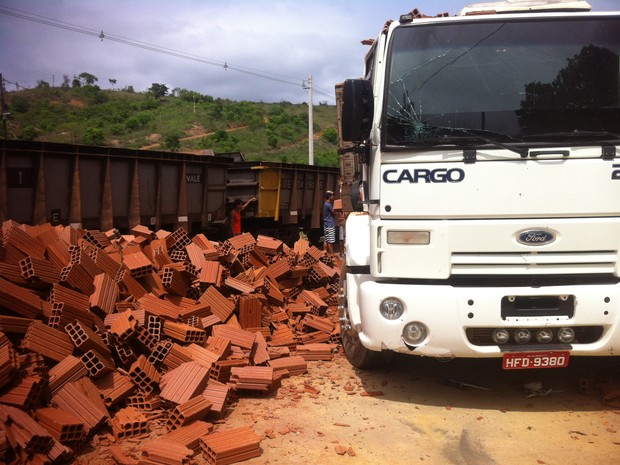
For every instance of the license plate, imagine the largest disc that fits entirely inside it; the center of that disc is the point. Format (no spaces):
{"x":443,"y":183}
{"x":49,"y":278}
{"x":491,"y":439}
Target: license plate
{"x":526,"y":360}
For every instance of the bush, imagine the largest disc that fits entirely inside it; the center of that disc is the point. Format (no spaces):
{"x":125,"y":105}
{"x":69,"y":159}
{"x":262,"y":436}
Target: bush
{"x":220,"y":142}
{"x":326,"y":158}
{"x":144,"y":119}
{"x":272,"y":140}
{"x":93,"y":136}
{"x":132,"y":123}
{"x":149,"y":103}
{"x":99,"y":98}
{"x":29,"y":133}
{"x":330,"y":135}
{"x":117,"y":129}
{"x":138,"y":121}
{"x":172,"y":141}
{"x":20,"y":104}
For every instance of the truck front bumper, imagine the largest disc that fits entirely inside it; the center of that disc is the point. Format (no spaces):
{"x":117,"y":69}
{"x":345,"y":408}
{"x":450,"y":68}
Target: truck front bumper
{"x":454,"y":315}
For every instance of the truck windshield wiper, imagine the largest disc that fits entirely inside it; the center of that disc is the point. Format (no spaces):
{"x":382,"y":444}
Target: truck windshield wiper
{"x":446,"y":135}
{"x":577,"y":133}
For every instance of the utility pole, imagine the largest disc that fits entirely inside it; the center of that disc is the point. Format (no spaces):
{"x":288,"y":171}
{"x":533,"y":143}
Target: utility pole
{"x":310,"y":124}
{"x":3,"y":113}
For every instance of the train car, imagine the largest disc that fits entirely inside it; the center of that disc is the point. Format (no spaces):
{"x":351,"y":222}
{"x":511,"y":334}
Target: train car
{"x":104,"y":187}
{"x":290,"y":197}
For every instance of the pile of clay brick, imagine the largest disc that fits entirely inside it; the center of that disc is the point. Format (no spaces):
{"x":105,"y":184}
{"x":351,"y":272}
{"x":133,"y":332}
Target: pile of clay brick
{"x":100,"y":333}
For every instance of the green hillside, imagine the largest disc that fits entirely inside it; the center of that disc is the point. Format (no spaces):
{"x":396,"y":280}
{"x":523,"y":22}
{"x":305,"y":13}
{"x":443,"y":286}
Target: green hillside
{"x":179,"y":120}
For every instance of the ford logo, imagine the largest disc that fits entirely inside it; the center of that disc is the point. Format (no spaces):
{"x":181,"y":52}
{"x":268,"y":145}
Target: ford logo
{"x":536,"y":237}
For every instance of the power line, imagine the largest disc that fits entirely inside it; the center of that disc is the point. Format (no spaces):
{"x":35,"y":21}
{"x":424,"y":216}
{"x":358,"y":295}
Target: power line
{"x":318,"y":90}
{"x":134,"y":43}
{"x":17,"y":86}
{"x":100,"y":34}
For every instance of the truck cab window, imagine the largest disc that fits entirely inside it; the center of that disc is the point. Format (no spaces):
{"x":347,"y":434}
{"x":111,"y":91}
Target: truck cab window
{"x":513,"y":81}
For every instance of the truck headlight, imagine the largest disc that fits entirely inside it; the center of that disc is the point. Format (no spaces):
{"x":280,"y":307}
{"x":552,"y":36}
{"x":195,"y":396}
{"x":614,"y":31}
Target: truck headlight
{"x":391,"y":308}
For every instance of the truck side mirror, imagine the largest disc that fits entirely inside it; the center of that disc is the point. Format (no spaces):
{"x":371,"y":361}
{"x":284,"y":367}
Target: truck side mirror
{"x":357,"y":110}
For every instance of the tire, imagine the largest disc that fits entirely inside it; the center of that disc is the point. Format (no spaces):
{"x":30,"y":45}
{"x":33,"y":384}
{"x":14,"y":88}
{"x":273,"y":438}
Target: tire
{"x":357,"y":355}
{"x":361,"y":357}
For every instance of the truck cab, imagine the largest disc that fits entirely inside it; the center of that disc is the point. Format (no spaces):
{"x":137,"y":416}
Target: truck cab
{"x":486,"y":186}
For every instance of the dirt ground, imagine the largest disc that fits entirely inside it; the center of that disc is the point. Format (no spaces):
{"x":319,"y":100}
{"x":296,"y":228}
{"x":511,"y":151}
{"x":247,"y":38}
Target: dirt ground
{"x":416,"y":411}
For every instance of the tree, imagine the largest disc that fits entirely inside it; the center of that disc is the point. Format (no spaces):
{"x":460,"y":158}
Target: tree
{"x":88,"y":78}
{"x":158,"y":90}
{"x":172,"y":141}
{"x":189,"y":95}
{"x":43,"y":84}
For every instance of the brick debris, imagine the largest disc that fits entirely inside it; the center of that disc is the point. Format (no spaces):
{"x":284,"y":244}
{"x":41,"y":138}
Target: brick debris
{"x":103,"y":333}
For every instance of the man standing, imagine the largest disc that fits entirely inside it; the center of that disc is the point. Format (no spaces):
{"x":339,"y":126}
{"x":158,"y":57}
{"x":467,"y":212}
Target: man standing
{"x":329,"y":223}
{"x":234,"y":218}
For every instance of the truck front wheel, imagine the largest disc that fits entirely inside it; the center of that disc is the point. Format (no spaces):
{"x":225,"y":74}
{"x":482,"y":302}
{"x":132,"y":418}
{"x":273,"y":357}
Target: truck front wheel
{"x":357,"y":355}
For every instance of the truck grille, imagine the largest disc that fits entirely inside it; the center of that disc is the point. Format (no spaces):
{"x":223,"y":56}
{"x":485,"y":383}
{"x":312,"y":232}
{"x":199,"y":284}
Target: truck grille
{"x":601,"y":262}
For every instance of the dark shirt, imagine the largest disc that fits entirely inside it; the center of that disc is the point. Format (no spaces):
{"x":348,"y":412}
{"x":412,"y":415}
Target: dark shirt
{"x":328,"y":214}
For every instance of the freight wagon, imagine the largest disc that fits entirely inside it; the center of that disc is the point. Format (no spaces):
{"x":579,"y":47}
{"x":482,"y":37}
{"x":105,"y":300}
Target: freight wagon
{"x":290,"y":197}
{"x":104,"y":188}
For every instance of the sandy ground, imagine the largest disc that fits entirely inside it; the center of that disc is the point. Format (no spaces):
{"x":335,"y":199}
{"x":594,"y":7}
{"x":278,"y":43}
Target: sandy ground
{"x":414,"y":412}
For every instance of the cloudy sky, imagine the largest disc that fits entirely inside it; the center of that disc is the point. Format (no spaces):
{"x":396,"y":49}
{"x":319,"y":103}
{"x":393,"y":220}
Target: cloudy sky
{"x":257,"y":50}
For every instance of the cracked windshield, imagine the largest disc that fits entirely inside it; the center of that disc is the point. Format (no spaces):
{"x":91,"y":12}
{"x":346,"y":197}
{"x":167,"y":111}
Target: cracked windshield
{"x":503,"y":83}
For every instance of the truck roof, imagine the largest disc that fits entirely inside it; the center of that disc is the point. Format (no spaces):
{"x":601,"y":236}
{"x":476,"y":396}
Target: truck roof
{"x":524,"y":6}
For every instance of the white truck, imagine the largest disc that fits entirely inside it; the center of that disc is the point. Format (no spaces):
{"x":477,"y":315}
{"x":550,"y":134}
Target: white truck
{"x":482,"y":156}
